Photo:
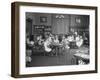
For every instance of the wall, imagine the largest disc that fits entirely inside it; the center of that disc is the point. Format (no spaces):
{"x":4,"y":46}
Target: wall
{"x":36,"y":18}
{"x":59,"y":25}
{"x":84,"y":21}
{"x":5,"y":40}
{"x":79,"y":23}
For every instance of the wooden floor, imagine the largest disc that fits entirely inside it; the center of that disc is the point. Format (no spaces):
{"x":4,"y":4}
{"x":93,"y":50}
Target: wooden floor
{"x":65,"y":58}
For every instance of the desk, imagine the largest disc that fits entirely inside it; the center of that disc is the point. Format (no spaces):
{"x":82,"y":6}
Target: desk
{"x":82,"y":58}
{"x":56,"y":48}
{"x":82,"y":55}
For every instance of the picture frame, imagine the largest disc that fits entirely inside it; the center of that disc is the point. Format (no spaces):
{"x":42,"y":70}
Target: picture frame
{"x":18,"y":27}
{"x":43,"y":19}
{"x":78,"y":20}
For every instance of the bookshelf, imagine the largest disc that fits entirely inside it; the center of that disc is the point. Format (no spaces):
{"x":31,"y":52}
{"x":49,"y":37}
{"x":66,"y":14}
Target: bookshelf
{"x":41,"y":30}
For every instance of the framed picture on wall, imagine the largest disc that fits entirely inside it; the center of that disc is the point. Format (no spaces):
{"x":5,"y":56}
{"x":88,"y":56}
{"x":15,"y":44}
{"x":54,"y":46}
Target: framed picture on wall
{"x":78,"y":20}
{"x":43,"y":19}
{"x":58,"y":47}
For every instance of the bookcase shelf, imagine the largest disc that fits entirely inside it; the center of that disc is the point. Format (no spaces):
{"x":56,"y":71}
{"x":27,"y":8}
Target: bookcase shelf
{"x":41,"y":30}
